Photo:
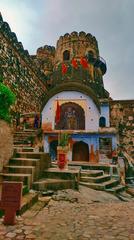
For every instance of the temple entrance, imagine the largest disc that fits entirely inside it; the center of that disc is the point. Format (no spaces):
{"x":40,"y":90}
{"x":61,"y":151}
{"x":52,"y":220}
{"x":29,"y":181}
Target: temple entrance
{"x":53,"y":149}
{"x":72,"y":116}
{"x":80,"y":152}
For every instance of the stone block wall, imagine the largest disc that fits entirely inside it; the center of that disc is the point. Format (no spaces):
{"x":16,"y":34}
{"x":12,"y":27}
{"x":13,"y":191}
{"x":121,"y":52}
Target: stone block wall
{"x":6,"y":143}
{"x":122,"y":117}
{"x":19,"y":72}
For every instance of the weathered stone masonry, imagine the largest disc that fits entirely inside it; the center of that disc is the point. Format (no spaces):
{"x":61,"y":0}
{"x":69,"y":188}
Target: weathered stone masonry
{"x":122,"y":117}
{"x":19,"y":72}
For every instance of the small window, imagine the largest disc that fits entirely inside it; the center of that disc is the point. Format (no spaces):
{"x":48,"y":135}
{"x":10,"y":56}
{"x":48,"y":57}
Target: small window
{"x":102,"y":122}
{"x":90,"y":56}
{"x":66,"y":55}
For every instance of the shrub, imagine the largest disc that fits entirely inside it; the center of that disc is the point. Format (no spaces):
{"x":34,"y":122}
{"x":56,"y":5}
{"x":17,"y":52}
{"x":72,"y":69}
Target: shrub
{"x":63,"y":139}
{"x":7,"y":98}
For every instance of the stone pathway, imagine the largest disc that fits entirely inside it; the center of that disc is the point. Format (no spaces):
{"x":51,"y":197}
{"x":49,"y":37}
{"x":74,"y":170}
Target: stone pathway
{"x":70,"y":215}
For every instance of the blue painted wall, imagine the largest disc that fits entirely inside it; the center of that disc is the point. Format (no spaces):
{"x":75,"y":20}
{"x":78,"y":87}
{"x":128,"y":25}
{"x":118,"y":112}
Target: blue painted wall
{"x":105,"y":113}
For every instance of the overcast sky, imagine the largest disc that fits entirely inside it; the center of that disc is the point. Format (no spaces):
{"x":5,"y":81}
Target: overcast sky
{"x":40,"y":22}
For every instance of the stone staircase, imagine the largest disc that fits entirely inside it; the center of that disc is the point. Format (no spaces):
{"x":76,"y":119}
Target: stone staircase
{"x":33,"y":169}
{"x":98,"y":180}
{"x":25,"y":166}
{"x":56,"y":179}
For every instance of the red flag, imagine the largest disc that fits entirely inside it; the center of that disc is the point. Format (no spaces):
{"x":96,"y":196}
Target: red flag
{"x":57,"y":118}
{"x":74,"y":63}
{"x":84,"y":62}
{"x":64,"y":68}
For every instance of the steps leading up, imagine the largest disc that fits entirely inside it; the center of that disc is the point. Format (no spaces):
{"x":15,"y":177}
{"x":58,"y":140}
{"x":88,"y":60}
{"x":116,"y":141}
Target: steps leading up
{"x":20,"y":177}
{"x":21,"y":169}
{"x":71,"y":174}
{"x":53,"y":184}
{"x":24,"y":161}
{"x":117,"y":189}
{"x":91,"y":173}
{"x":98,"y":179}
{"x":101,"y":186}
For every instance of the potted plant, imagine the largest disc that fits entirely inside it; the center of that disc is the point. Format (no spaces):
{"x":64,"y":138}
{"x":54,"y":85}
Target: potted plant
{"x":62,"y":150}
{"x":7,"y":98}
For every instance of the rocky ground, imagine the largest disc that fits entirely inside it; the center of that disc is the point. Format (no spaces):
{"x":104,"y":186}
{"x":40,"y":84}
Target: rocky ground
{"x":72,"y":215}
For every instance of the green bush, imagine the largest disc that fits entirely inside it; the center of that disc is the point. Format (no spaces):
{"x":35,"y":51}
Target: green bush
{"x":63,"y":139}
{"x":7,"y":98}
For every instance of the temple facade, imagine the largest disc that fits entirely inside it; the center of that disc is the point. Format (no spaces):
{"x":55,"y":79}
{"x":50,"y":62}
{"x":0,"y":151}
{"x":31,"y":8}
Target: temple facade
{"x":77,"y":91}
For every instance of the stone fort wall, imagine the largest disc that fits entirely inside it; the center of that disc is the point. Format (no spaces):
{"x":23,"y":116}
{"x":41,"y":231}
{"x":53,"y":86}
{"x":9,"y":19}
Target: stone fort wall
{"x":122,"y":117}
{"x":19,"y":72}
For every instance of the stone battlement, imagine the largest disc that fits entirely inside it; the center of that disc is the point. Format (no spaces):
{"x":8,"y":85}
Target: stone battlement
{"x":77,"y":36}
{"x":45,"y":51}
{"x":78,"y":45}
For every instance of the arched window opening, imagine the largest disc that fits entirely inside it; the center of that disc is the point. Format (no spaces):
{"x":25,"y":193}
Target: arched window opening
{"x":66,"y":55}
{"x":102,"y":122}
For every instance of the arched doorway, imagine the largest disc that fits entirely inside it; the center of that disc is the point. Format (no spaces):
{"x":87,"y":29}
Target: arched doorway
{"x":102,"y":122}
{"x":80,"y":152}
{"x":53,"y":149}
{"x":66,"y":55}
{"x":72,"y":116}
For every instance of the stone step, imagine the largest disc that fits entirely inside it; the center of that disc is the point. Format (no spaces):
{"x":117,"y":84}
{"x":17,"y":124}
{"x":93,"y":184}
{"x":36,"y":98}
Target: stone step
{"x":98,"y":179}
{"x":24,"y":161}
{"x":29,"y":133}
{"x":53,"y":184}
{"x":91,"y":173}
{"x":27,"y":201}
{"x":56,"y":173}
{"x":21,"y":177}
{"x":19,"y":142}
{"x":117,"y":189}
{"x":23,"y":148}
{"x":92,"y":166}
{"x":21,"y":137}
{"x":21,"y":169}
{"x":22,"y":145}
{"x":101,"y":186}
{"x":32,"y":155}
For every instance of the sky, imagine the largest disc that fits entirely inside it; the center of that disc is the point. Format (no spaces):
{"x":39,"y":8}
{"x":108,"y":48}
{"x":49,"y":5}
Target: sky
{"x":41,"y":22}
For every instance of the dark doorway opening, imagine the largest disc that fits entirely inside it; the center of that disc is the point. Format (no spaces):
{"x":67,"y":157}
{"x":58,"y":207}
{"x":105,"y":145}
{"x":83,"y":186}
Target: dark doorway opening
{"x":80,"y":152}
{"x":102,"y":122}
{"x":53,"y":149}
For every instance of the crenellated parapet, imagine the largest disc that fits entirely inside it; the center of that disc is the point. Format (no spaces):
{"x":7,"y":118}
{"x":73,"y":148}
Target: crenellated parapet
{"x":79,"y":44}
{"x":44,"y":59}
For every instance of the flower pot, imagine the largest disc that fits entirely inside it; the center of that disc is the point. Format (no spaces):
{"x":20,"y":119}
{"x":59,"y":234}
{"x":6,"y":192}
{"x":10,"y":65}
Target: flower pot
{"x":62,"y":157}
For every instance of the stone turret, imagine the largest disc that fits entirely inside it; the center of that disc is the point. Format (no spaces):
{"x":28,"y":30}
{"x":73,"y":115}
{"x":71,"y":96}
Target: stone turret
{"x":44,"y":59}
{"x":78,"y":45}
